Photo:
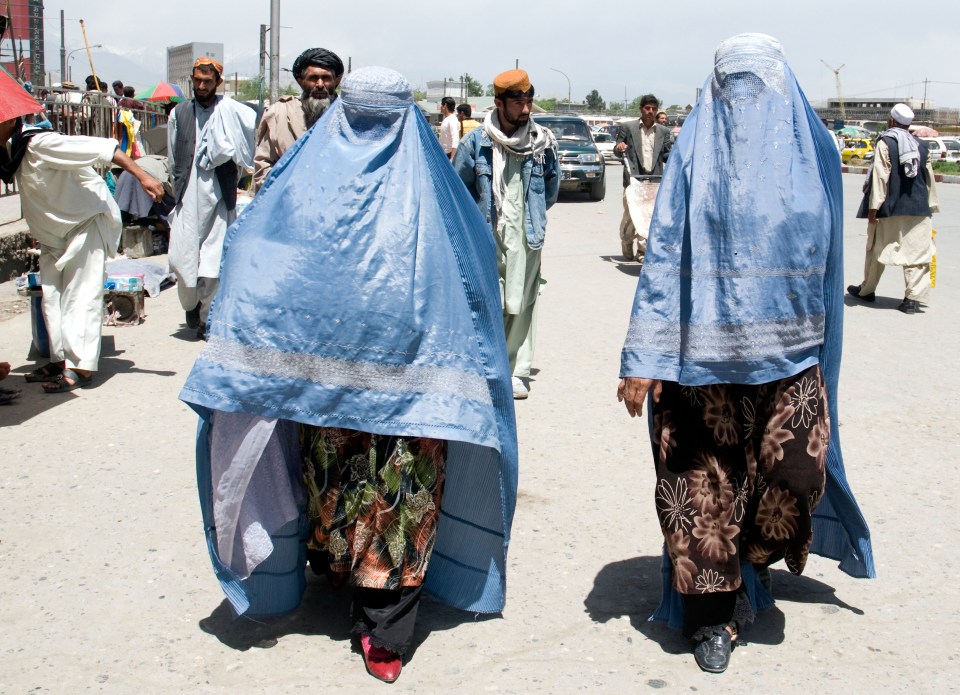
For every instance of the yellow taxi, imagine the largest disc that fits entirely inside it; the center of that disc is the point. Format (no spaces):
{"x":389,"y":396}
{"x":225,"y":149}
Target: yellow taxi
{"x":856,"y":148}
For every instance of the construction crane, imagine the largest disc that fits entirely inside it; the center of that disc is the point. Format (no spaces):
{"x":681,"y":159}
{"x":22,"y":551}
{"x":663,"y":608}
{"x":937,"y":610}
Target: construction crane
{"x":836,"y":76}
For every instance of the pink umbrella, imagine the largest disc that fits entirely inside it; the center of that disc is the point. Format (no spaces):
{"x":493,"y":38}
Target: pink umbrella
{"x":922,"y":131}
{"x":14,"y":100}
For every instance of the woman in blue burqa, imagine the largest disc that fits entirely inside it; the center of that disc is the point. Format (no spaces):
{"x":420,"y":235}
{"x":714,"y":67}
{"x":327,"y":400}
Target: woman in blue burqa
{"x":735,"y":336}
{"x":356,"y":373}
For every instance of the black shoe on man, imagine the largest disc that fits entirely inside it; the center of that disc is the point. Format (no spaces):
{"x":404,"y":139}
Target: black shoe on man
{"x":854,"y":291}
{"x":193,"y":317}
{"x":910,"y":306}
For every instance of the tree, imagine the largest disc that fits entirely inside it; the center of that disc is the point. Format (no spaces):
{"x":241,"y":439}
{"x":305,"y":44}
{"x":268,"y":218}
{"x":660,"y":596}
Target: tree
{"x":490,"y":92}
{"x":474,"y":88}
{"x":419,"y":95}
{"x":249,"y":90}
{"x":615,"y":108}
{"x":595,"y":103}
{"x":546,"y":104}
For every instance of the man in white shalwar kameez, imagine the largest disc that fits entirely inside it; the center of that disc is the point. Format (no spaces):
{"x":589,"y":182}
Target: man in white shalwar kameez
{"x":900,"y":196}
{"x":208,"y":138}
{"x":71,"y":213}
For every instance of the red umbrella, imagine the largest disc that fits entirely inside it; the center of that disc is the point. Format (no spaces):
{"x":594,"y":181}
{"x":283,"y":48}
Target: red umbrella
{"x":14,"y":100}
{"x":161,"y":91}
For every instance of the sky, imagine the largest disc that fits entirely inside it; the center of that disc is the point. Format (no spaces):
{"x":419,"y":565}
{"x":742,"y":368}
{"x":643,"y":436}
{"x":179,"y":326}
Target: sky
{"x":621,"y":48}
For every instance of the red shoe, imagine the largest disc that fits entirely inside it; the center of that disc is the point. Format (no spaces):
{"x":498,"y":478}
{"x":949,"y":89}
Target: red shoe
{"x":381,"y":663}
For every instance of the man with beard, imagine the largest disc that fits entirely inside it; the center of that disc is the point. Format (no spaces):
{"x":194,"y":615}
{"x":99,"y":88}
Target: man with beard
{"x":318,"y":72}
{"x":510,"y":167}
{"x":208,"y":137}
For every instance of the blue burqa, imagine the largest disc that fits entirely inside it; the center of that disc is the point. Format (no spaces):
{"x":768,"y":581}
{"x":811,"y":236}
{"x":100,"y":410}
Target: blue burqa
{"x":359,"y":290}
{"x":742,"y":280}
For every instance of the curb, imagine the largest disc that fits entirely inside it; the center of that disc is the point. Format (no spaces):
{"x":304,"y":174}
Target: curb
{"x":940,"y":178}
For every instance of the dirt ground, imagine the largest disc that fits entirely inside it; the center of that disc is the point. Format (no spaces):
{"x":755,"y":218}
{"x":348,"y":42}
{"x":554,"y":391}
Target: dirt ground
{"x":107,"y":587}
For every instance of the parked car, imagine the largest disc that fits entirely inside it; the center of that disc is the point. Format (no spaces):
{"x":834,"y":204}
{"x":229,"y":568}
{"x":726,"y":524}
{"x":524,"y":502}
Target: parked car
{"x":943,"y":149}
{"x":581,"y":165}
{"x":856,"y":148}
{"x":605,"y":143}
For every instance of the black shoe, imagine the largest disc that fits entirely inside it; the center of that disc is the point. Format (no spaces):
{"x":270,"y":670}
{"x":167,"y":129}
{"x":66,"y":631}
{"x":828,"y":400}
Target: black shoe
{"x":909,"y":306}
{"x":193,"y":317}
{"x":713,"y":653}
{"x":202,"y":333}
{"x":854,"y":291}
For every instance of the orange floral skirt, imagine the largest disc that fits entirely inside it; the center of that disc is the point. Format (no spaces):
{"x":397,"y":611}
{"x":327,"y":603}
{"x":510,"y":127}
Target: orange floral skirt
{"x":740,"y":469}
{"x":373,"y":502}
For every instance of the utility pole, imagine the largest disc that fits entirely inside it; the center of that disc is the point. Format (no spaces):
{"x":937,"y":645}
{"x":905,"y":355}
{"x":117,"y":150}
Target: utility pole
{"x":63,"y":50}
{"x":274,"y":50}
{"x":923,"y":105}
{"x":263,"y":61}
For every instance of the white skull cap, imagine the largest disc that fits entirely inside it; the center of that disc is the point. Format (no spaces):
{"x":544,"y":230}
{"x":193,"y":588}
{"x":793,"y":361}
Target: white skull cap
{"x":902,"y":114}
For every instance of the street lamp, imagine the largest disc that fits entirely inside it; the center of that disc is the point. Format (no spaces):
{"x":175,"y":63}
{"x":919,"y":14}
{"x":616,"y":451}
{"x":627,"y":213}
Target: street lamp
{"x":568,"y":85}
{"x":70,"y":55}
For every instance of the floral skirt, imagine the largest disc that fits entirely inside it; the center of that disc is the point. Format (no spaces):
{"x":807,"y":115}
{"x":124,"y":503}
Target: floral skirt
{"x":740,"y":469}
{"x":373,"y":503}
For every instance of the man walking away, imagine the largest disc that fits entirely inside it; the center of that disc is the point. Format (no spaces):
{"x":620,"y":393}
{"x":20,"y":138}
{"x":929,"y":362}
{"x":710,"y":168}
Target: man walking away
{"x":900,"y":195}
{"x":467,"y":124}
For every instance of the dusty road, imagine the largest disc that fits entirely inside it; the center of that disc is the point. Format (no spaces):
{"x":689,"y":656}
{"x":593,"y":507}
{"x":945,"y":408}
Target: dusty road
{"x":106,"y":586}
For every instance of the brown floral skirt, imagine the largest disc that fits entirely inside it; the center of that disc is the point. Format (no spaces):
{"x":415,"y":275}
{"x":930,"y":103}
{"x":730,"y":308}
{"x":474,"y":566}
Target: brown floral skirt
{"x":740,"y":470}
{"x":373,"y":503}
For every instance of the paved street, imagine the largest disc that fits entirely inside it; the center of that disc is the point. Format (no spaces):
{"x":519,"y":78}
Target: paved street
{"x":106,"y":585}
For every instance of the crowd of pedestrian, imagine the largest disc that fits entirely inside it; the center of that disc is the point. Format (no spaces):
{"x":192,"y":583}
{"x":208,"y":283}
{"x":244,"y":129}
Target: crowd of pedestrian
{"x":370,"y":320}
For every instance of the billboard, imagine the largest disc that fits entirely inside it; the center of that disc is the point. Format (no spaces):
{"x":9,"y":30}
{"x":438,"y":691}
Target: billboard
{"x":21,"y":49}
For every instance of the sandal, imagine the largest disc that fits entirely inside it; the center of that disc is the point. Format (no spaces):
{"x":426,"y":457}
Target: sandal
{"x":51,"y":371}
{"x":62,"y":383}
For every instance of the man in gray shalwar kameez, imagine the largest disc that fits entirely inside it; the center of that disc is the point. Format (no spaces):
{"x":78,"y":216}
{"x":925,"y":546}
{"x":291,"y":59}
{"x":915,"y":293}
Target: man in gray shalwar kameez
{"x":208,"y":138}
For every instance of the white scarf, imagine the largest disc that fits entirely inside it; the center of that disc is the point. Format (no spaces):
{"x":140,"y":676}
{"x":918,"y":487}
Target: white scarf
{"x":530,"y":140}
{"x":908,"y":149}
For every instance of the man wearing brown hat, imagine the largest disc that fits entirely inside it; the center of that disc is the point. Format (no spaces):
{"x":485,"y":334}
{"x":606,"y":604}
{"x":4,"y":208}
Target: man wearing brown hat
{"x":510,"y":167}
{"x":208,"y":138}
{"x":318,"y":72}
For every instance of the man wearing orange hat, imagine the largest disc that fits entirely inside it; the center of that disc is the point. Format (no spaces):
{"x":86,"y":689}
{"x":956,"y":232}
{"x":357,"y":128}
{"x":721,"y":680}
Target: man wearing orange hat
{"x":71,"y":213}
{"x":510,"y":167}
{"x":209,"y":139}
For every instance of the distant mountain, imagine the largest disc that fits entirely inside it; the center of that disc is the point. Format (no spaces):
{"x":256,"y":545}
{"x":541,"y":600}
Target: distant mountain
{"x":110,"y":66}
{"x":146,"y":66}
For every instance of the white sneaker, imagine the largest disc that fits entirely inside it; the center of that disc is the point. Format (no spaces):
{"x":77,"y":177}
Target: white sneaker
{"x":520,"y":390}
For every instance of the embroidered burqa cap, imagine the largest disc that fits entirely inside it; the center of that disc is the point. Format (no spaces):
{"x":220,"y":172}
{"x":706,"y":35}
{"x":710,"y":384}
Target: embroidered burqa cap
{"x":742,"y":280}
{"x":359,"y":289}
